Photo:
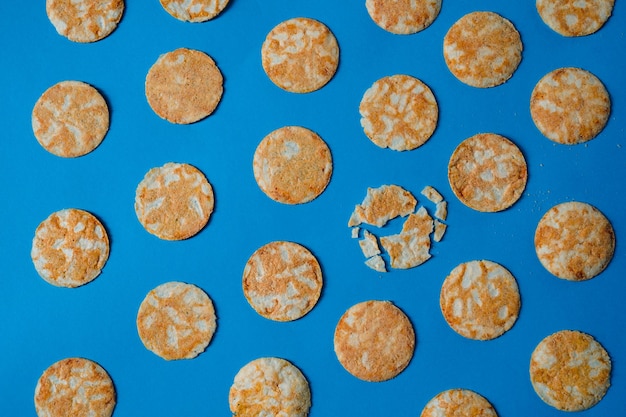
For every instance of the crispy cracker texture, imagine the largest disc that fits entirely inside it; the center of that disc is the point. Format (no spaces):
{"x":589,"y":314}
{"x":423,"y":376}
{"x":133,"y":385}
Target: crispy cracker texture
{"x":573,"y":17}
{"x":403,"y":17}
{"x":194,"y":10}
{"x":85,"y":21}
{"x":458,"y":402}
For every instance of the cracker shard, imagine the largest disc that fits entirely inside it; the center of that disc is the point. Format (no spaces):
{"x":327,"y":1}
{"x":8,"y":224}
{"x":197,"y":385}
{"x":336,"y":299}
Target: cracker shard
{"x":383,"y":204}
{"x":411,"y":247}
{"x":369,"y":244}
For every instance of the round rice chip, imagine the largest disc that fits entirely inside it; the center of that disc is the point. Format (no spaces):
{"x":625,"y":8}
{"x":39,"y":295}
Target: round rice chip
{"x":194,"y":10}
{"x":374,"y":340}
{"x":184,"y":86}
{"x":482,"y":49}
{"x":574,"y":241}
{"x":75,"y":387}
{"x":70,"y":248}
{"x":487,"y":172}
{"x":570,"y":106}
{"x":573,"y":17}
{"x":458,"y":403}
{"x":271,"y":387}
{"x":300,"y":55}
{"x":570,"y":370}
{"x":403,"y":17}
{"x":292,"y":165}
{"x":480,"y":300}
{"x":70,"y":119}
{"x":282,"y":281}
{"x":85,"y":20}
{"x":399,"y":112}
{"x":176,"y":321}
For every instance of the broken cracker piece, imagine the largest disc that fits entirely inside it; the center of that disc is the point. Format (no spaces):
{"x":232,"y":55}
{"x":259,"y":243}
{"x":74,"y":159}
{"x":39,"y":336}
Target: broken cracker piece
{"x":355,"y":232}
{"x":377,"y":263}
{"x":383,"y":204}
{"x":440,"y":230}
{"x":441,"y":212}
{"x":411,"y":247}
{"x":369,"y":245}
{"x":433,"y":195}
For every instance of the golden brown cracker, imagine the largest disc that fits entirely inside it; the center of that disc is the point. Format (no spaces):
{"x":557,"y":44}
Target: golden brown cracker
{"x":85,"y":20}
{"x":194,"y":10}
{"x":382,"y":204}
{"x":575,"y":17}
{"x":410,"y":247}
{"x":403,"y":17}
{"x":458,"y":403}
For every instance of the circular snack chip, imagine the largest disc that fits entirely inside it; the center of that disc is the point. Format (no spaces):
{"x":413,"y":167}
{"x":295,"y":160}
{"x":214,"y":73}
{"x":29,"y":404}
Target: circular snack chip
{"x":458,"y":403}
{"x":176,"y":321}
{"x":399,"y":112}
{"x":570,"y":370}
{"x":194,"y":10}
{"x":403,"y":17}
{"x":374,"y":340}
{"x":75,"y":387}
{"x":184,"y":86}
{"x":270,"y":387}
{"x":574,"y":241}
{"x":573,"y":17}
{"x":487,"y":172}
{"x":70,"y":119}
{"x":482,"y":49}
{"x":70,"y":248}
{"x":282,"y":281}
{"x":174,"y":202}
{"x":300,"y":55}
{"x":85,"y":20}
{"x":292,"y":165}
{"x":480,"y":300}
{"x":570,"y":106}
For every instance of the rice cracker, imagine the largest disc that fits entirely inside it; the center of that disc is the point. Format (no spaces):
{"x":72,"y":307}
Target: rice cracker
{"x":482,"y":49}
{"x":300,"y":55}
{"x":75,"y":387}
{"x":282,"y":281}
{"x":410,"y":247}
{"x":575,"y":17}
{"x":574,"y":241}
{"x":176,"y":321}
{"x":194,"y":10}
{"x":70,"y":119}
{"x":374,"y":340}
{"x":570,"y":370}
{"x":383,"y":204}
{"x":85,"y":20}
{"x":458,"y":403}
{"x":399,"y":112}
{"x":403,"y":17}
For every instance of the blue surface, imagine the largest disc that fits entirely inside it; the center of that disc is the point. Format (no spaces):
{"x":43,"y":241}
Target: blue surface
{"x":40,"y":324}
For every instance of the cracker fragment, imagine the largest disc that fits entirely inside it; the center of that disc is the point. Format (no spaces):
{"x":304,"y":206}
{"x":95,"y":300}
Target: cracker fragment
{"x":440,"y":230}
{"x":369,"y":244}
{"x":383,"y":204}
{"x":403,"y":17}
{"x":441,"y":210}
{"x":458,"y":403}
{"x":85,"y":20}
{"x":194,"y":10}
{"x":355,"y":231}
{"x":411,"y":247}
{"x":377,"y":263}
{"x":574,"y":17}
{"x":432,"y":194}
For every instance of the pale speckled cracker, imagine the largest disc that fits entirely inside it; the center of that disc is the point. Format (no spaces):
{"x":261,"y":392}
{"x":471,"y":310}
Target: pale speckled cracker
{"x":292,"y":165}
{"x":575,"y":17}
{"x":70,"y":119}
{"x":570,"y":370}
{"x":458,"y":402}
{"x":570,"y":106}
{"x":300,"y":55}
{"x":75,"y":387}
{"x":270,"y":387}
{"x":194,"y":10}
{"x":403,"y":17}
{"x":377,"y":263}
{"x":574,"y":241}
{"x":487,"y":172}
{"x":374,"y":340}
{"x":383,"y":204}
{"x":70,"y":248}
{"x":410,"y":247}
{"x":482,"y":49}
{"x":480,"y":300}
{"x":176,"y":320}
{"x":174,"y":201}
{"x":399,"y":112}
{"x":282,"y":281}
{"x":369,"y":244}
{"x":432,"y":194}
{"x":184,"y":86}
{"x":85,"y":20}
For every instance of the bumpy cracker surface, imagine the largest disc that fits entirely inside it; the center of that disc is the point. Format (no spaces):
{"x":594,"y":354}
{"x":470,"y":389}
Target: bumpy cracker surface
{"x":174,"y":201}
{"x":282,"y":281}
{"x":482,"y":49}
{"x":70,"y":248}
{"x":480,"y":300}
{"x":575,"y":17}
{"x":410,"y":247}
{"x":75,"y":387}
{"x":403,"y":17}
{"x":292,"y":165}
{"x":184,"y":86}
{"x":300,"y":55}
{"x":70,"y":119}
{"x":194,"y":10}
{"x":270,"y":387}
{"x":85,"y":20}
{"x":458,"y":403}
{"x":570,"y":106}
{"x":574,"y":241}
{"x":176,"y":321}
{"x":374,"y":340}
{"x":383,"y":204}
{"x":487,"y":172}
{"x":399,"y":112}
{"x":570,"y":370}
